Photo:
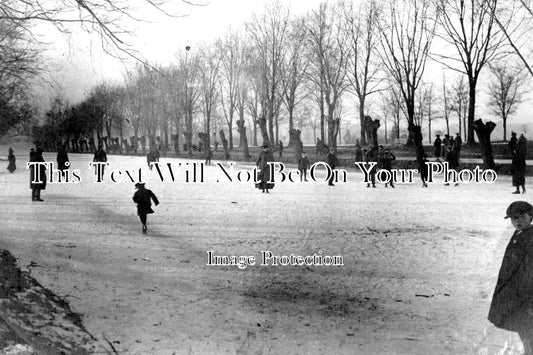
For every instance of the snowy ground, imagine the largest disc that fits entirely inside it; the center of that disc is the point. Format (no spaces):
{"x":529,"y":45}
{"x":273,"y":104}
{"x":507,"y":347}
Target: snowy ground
{"x":419,"y":264}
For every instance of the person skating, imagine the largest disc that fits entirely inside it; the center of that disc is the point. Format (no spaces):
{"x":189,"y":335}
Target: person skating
{"x":264,"y":158}
{"x":100,"y":156}
{"x":518,"y":165}
{"x":143,"y":198}
{"x":11,"y":166}
{"x":371,"y":157}
{"x":512,"y":305}
{"x":36,"y":185}
{"x":332,"y":162}
{"x":423,"y":168}
{"x":386,"y":159}
{"x":437,"y":145}
{"x":303,"y":165}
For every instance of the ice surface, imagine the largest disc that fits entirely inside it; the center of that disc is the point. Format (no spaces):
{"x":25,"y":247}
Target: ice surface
{"x":420,"y":264}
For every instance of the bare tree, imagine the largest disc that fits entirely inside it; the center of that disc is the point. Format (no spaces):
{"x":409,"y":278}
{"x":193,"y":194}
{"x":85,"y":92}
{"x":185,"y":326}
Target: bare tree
{"x":268,"y":33}
{"x":459,"y":103}
{"x":294,"y":67}
{"x":108,"y":19}
{"x":407,"y":33}
{"x":329,"y":53}
{"x":209,"y":72}
{"x":363,"y":66}
{"x":520,"y":15}
{"x":469,"y":26}
{"x":505,"y":92}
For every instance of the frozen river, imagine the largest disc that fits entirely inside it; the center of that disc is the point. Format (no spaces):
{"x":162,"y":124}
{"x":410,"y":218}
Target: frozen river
{"x":418,"y":264}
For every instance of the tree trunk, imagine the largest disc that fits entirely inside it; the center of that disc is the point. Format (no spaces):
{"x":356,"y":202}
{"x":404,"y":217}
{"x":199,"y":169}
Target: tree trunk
{"x":483,"y":131}
{"x":471,"y":112}
{"x":291,"y":126}
{"x":243,"y":139}
{"x":224,"y":144}
{"x":362,"y":120}
{"x":264,"y":132}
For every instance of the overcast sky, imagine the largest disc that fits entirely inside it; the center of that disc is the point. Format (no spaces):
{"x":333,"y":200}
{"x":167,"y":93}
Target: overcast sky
{"x":78,"y":62}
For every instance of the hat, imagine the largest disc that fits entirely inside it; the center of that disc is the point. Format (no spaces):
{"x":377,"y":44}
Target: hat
{"x":518,"y":207}
{"x":265,"y":146}
{"x":139,"y":184}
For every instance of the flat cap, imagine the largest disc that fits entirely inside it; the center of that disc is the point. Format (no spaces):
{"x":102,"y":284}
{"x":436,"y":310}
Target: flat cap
{"x":518,"y":207}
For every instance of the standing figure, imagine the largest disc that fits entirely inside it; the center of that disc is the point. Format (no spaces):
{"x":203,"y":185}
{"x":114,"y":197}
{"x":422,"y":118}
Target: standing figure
{"x":332,"y":162}
{"x":437,"y":144}
{"x":458,"y":142}
{"x":37,"y":175}
{"x":280,"y":147}
{"x":518,"y":165}
{"x":451,"y":159}
{"x":371,"y":157}
{"x":303,"y":165}
{"x":512,"y":143}
{"x":62,"y":158}
{"x":11,"y":166}
{"x":150,"y":159}
{"x":423,"y":168}
{"x":208,"y":155}
{"x":143,"y":198}
{"x":358,"y":152}
{"x":265,"y":157}
{"x":100,"y":156}
{"x":512,"y":306}
{"x":386,"y":159}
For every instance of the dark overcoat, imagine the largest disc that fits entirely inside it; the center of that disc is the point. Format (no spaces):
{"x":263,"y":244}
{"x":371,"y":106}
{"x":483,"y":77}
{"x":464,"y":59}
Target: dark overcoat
{"x":512,"y":297}
{"x":41,"y":170}
{"x":143,"y":198}
{"x":264,"y":158}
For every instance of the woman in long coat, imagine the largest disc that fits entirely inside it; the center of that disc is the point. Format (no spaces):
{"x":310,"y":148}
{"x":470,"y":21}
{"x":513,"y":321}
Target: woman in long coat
{"x":518,"y":165}
{"x":265,"y":157}
{"x":11,"y":158}
{"x":36,"y":187}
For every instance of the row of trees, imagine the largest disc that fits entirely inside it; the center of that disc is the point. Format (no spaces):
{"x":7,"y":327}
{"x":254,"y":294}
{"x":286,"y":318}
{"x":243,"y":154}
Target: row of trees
{"x":279,"y":64}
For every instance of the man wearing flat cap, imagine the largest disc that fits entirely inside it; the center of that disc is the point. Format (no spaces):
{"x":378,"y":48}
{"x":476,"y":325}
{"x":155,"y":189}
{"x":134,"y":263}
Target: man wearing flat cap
{"x":143,"y":198}
{"x":512,"y":303}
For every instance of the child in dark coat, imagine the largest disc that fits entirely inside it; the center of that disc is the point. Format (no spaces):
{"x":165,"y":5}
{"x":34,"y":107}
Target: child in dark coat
{"x":512,"y":303}
{"x":142,"y":198}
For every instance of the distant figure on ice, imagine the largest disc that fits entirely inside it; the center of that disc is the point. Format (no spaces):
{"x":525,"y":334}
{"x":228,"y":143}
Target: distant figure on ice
{"x":62,"y":158}
{"x":423,"y":168}
{"x":451,"y":159}
{"x":358,"y":152}
{"x":370,"y":157}
{"x":386,"y":158}
{"x":518,"y":165}
{"x":208,"y":156}
{"x":265,"y":157}
{"x":280,"y":148}
{"x":11,"y":166}
{"x":100,"y":156}
{"x":152,"y":157}
{"x":303,"y":165}
{"x":512,"y":143}
{"x":457,"y":145}
{"x":437,"y":145}
{"x":512,"y":306}
{"x":332,"y":162}
{"x":37,"y":171}
{"x":143,"y":198}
